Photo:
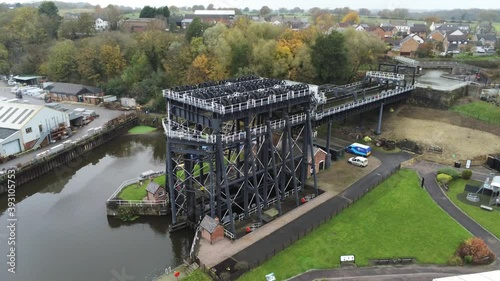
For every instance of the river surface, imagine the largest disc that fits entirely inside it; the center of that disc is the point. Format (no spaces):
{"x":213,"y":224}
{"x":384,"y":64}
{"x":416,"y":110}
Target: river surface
{"x":63,"y":233}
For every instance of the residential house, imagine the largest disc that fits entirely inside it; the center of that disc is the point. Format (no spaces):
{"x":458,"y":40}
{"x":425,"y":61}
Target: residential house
{"x":72,"y":16}
{"x":214,"y":16}
{"x":465,"y":28}
{"x":409,"y":45}
{"x":341,"y":26}
{"x":448,"y":27}
{"x":420,"y":30}
{"x":486,"y":39}
{"x":155,"y":192}
{"x":142,"y":24}
{"x":101,"y":24}
{"x":384,"y":32}
{"x":362,"y":27}
{"x":437,"y":35}
{"x":485,"y":28}
{"x":72,"y":92}
{"x":185,"y":23}
{"x":401,"y":25}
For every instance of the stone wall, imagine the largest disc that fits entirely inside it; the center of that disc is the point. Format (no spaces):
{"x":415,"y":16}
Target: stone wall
{"x":432,"y":98}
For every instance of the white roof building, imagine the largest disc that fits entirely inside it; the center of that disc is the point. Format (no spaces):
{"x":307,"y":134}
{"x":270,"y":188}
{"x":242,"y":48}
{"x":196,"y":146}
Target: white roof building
{"x":24,"y":125}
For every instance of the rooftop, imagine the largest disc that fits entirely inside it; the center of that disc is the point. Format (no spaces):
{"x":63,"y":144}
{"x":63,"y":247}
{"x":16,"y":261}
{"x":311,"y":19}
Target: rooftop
{"x":14,"y":115}
{"x":152,"y":187}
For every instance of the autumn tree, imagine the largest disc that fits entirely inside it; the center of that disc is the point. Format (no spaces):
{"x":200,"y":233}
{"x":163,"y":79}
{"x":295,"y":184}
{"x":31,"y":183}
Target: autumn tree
{"x":195,"y":29}
{"x":174,"y":9}
{"x":400,"y":13}
{"x":49,"y":18}
{"x":210,"y":7}
{"x":4,"y":59}
{"x":112,"y":61}
{"x":113,"y":15}
{"x":352,"y":17}
{"x":364,"y":12}
{"x":147,"y":12}
{"x":430,"y":19}
{"x":329,"y":58}
{"x":363,"y":48}
{"x":325,"y":21}
{"x":264,"y":11}
{"x":86,"y":24}
{"x":61,"y":63}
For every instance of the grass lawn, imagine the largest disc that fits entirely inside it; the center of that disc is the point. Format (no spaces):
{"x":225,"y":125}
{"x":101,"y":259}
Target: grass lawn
{"x":197,"y":275}
{"x":396,"y":219}
{"x":138,"y":192}
{"x":487,"y":219}
{"x":481,"y":110}
{"x":141,"y":130}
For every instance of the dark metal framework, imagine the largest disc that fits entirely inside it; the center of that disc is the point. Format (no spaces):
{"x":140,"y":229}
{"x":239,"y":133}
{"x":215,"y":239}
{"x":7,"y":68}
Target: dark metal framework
{"x":238,"y":146}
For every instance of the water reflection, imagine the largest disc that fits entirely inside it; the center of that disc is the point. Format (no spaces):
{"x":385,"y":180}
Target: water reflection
{"x":64,"y":234}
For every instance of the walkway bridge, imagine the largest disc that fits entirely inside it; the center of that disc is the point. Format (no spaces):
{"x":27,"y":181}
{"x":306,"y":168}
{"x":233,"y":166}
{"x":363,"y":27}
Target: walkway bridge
{"x":237,"y":147}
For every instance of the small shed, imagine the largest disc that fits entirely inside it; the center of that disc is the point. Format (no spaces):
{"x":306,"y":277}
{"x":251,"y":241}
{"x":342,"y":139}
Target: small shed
{"x":211,"y":229}
{"x":319,"y":160}
{"x":155,"y":192}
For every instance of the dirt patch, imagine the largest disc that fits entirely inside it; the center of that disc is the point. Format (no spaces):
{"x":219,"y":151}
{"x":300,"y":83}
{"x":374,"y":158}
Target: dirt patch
{"x":445,"y":136}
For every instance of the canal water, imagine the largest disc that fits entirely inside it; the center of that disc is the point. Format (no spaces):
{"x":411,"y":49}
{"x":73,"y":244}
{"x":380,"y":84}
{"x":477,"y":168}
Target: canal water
{"x":63,"y":233}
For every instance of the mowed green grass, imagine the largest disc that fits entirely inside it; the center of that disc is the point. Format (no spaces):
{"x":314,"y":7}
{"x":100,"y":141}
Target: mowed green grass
{"x":137,"y":130}
{"x":396,"y":219}
{"x":138,"y":192}
{"x":481,"y":110}
{"x":487,"y":219}
{"x":197,"y":275}
{"x":62,"y":12}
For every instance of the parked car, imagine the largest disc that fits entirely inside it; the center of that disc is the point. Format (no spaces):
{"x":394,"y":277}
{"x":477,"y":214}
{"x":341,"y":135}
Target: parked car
{"x":358,"y":161}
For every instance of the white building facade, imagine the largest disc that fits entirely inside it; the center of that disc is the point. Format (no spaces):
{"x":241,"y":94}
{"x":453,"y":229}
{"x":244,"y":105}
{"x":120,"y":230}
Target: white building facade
{"x":23,"y":125}
{"x":101,"y":24}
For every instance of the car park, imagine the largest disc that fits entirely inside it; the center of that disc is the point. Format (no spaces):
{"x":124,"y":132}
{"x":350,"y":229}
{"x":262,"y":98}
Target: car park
{"x":358,"y":161}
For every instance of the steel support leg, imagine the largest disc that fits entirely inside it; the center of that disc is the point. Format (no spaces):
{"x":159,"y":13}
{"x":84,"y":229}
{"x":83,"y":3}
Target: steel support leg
{"x":272,"y":150}
{"x":328,"y":143}
{"x":229,"y":204}
{"x":292,"y":161}
{"x":379,"y":125}
{"x":250,"y":163}
{"x":310,"y":141}
{"x":170,"y":174}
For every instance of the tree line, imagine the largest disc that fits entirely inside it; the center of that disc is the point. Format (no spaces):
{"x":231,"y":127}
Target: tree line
{"x":142,"y":64}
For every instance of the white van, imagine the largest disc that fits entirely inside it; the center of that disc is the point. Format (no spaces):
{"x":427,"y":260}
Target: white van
{"x":358,"y":161}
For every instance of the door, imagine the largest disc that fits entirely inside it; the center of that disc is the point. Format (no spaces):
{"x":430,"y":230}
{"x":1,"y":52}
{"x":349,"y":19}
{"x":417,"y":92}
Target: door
{"x":12,"y":147}
{"x":321,"y":165}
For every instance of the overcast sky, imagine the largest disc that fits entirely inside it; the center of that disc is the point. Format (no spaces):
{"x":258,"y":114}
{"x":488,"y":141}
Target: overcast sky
{"x":257,"y":4}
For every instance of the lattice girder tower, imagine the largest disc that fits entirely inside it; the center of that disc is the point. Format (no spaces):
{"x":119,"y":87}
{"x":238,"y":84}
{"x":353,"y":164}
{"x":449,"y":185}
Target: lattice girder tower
{"x":235,"y":147}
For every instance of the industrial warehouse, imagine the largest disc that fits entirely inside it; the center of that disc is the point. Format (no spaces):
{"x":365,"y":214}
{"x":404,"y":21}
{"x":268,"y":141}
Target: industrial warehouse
{"x":24,"y":126}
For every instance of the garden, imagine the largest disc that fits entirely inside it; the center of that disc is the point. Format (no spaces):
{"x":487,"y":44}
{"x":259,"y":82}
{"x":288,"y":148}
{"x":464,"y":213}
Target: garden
{"x":457,"y":193}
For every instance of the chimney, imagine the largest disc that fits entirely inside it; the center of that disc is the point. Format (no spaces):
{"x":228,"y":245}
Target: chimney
{"x":217,"y":220}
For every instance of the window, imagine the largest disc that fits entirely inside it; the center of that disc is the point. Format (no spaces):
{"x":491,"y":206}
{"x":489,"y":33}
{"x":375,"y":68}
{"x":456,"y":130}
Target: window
{"x":40,"y":128}
{"x":28,"y":130}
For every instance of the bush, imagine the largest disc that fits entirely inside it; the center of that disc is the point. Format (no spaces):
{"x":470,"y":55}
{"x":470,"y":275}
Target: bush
{"x":128,"y":213}
{"x":225,"y":276}
{"x":449,"y":171}
{"x":468,"y":259}
{"x":455,"y":261}
{"x":242,"y":265}
{"x":443,"y":178}
{"x":475,"y":251}
{"x":466,"y":174}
